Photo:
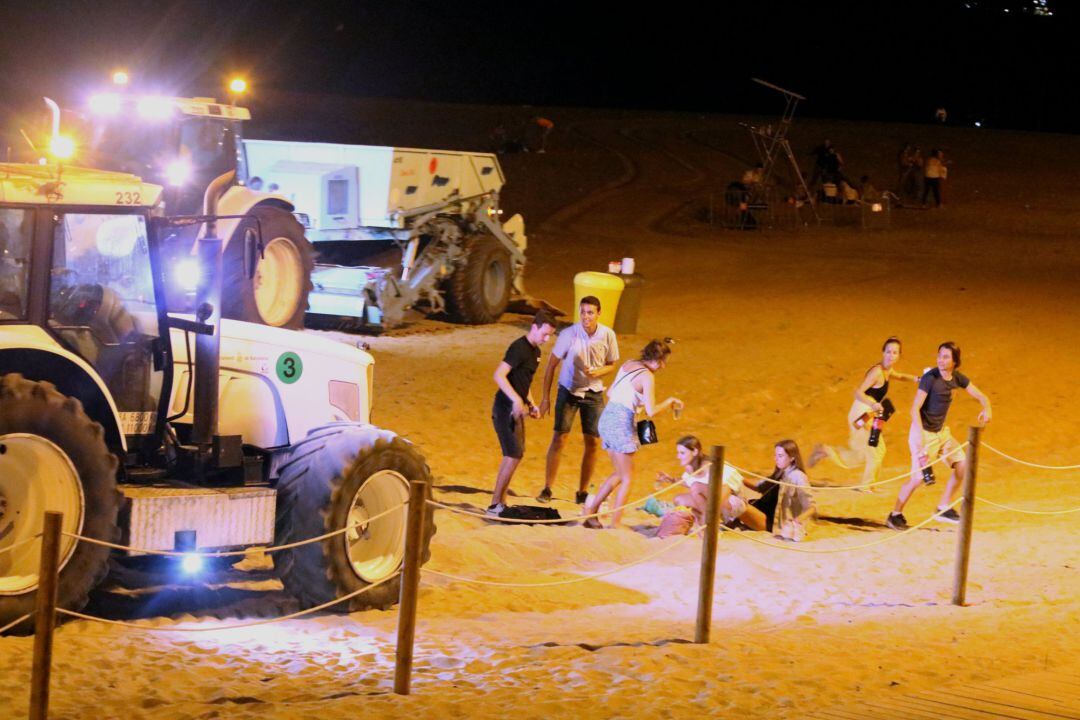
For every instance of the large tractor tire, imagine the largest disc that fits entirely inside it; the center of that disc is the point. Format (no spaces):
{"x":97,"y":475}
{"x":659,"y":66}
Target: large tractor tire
{"x":339,"y":475}
{"x":52,"y":457}
{"x":479,"y":290}
{"x":276,"y":293}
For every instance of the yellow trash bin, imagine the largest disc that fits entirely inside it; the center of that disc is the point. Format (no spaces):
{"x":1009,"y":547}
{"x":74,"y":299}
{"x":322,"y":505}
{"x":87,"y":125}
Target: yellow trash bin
{"x":605,"y":286}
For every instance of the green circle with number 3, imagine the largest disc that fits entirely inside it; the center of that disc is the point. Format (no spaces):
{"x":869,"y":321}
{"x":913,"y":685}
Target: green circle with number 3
{"x":289,"y":367}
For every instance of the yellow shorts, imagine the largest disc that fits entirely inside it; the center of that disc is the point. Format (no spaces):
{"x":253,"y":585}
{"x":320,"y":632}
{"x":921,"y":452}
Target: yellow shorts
{"x":941,"y":444}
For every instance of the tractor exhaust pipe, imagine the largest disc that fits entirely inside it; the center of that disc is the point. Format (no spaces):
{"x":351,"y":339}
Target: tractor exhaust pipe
{"x":208,"y":310}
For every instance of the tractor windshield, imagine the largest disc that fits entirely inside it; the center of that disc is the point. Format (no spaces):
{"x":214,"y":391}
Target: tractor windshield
{"x":182,"y":152}
{"x":102,"y":305}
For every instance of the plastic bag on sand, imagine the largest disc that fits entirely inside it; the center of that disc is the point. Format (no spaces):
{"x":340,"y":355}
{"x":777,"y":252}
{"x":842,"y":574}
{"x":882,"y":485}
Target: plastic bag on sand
{"x":675,"y":522}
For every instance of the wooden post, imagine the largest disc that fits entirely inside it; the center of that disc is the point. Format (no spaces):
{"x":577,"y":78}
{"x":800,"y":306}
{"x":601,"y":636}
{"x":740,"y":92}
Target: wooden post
{"x":708,"y":547}
{"x":410,"y":586}
{"x":967,"y":511}
{"x":45,"y":618}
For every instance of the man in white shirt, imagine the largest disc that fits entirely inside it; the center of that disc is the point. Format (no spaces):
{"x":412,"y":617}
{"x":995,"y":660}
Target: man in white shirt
{"x":586,"y":352}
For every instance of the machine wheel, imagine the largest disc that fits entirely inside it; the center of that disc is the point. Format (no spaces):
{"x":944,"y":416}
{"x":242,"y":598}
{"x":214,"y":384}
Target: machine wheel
{"x":339,"y":475}
{"x":479,"y":290}
{"x":52,"y":457}
{"x":277,"y":294}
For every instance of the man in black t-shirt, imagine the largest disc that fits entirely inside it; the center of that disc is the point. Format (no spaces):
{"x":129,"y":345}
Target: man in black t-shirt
{"x":513,"y":402}
{"x":930,"y":438}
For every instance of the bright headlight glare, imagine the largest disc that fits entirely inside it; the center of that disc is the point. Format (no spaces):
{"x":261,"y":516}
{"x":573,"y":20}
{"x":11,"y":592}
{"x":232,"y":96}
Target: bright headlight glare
{"x":105,"y":104}
{"x":154,"y":108}
{"x":178,"y":172}
{"x":61,"y":147}
{"x":186,"y":274}
{"x":191,"y":563}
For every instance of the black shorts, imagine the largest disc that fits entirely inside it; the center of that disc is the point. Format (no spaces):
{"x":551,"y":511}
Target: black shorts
{"x":509,"y":429}
{"x":567,"y":406}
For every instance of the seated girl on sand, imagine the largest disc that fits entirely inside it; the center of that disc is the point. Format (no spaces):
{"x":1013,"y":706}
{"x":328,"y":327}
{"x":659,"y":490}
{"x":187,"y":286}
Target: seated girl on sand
{"x":696,"y":478}
{"x":788,"y":505}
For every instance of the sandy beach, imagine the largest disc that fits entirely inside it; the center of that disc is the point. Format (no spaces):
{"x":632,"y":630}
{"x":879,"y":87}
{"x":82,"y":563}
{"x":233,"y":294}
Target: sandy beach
{"x":774,"y":330}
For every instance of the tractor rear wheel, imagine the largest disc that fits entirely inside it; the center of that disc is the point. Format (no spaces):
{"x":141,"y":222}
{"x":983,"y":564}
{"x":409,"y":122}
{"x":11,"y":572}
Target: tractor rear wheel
{"x":276,"y":292}
{"x":341,"y":475}
{"x":479,"y":290}
{"x":52,"y":457}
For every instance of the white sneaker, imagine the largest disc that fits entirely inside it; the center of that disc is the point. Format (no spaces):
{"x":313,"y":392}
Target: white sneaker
{"x":495,"y":510}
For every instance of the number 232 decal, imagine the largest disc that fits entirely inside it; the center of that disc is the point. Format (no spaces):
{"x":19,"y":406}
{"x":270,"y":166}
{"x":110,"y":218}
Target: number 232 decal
{"x":128,"y":198}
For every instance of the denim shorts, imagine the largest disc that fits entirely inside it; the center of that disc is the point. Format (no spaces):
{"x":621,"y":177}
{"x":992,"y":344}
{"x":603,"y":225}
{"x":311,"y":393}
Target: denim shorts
{"x":617,"y":429}
{"x":567,"y":405}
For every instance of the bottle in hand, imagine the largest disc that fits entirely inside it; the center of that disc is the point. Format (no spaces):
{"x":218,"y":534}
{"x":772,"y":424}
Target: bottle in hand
{"x":875,"y":432}
{"x":927,"y":470}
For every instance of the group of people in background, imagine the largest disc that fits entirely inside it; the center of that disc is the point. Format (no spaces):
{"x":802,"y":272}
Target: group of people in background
{"x":587,"y":352}
{"x":921,"y":178}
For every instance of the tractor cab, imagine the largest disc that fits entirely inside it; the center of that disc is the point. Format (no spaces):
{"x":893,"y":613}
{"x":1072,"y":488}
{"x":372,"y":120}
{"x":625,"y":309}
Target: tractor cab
{"x":181,"y":144}
{"x":83,"y":274}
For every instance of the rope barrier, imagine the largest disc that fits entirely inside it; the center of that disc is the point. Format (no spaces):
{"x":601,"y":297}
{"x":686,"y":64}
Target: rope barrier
{"x":571,"y":581}
{"x":880,"y":541}
{"x":1029,"y":464}
{"x":10,"y":625}
{"x":232,"y":553}
{"x":560,"y":521}
{"x":11,"y":547}
{"x":1028,"y":512}
{"x":854,"y":487}
{"x":268,"y":621}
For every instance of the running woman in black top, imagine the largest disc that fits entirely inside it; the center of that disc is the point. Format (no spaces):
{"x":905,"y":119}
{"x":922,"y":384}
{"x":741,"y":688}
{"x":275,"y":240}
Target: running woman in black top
{"x":868,"y":398}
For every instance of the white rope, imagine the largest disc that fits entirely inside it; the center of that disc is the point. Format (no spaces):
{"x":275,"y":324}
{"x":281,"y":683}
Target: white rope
{"x":1029,"y":464}
{"x":232,"y":553}
{"x":268,"y":621}
{"x":563,"y":521}
{"x":1028,"y":512}
{"x":11,"y":547}
{"x":10,"y":625}
{"x":571,"y":581}
{"x":860,"y":486}
{"x":889,"y":538}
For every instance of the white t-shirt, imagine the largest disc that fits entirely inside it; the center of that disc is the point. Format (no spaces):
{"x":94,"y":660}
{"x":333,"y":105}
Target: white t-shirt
{"x":731,"y":477}
{"x":579,"y":351}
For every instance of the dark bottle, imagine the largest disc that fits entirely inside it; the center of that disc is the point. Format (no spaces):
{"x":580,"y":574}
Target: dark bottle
{"x":875,"y":431}
{"x":927,"y":470}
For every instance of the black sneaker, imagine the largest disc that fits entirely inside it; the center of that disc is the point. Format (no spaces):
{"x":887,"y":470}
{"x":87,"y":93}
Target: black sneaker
{"x":581,"y":497}
{"x":948,"y":516}
{"x":897,"y":521}
{"x":544,"y":496}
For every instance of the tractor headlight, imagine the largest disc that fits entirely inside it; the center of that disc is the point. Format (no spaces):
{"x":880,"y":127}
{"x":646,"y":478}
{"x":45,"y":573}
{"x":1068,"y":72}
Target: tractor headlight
{"x":178,"y":172}
{"x":186,"y":274}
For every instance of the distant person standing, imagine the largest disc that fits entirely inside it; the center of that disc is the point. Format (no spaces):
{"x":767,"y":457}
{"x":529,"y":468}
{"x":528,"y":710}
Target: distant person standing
{"x":513,"y":402}
{"x":934,"y":172}
{"x":930,"y":438}
{"x":586,"y":352}
{"x":821,"y":161}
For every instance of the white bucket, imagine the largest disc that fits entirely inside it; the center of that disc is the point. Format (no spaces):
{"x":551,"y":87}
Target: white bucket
{"x":628,"y":266}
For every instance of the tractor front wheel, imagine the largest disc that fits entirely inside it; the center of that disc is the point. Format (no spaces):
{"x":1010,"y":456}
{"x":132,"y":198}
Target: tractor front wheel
{"x":270,"y":288}
{"x":342,"y":475}
{"x":52,"y":457}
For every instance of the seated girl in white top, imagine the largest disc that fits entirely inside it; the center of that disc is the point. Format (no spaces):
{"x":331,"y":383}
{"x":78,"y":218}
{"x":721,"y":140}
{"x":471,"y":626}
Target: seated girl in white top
{"x":695,"y":476}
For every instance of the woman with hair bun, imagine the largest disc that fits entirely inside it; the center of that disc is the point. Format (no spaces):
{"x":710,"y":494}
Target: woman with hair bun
{"x":869,"y":396}
{"x":632,"y":391}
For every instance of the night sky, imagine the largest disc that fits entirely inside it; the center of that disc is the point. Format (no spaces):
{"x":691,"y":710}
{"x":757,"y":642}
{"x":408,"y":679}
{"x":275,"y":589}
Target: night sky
{"x":858,"y":60}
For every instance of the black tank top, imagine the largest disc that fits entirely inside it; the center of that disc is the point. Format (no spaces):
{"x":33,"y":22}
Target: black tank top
{"x":878,"y":393}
